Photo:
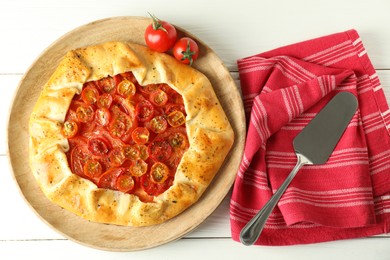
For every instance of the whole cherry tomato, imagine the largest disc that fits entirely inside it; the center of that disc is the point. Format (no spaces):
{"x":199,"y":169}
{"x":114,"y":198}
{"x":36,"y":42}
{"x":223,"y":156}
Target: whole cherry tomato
{"x":160,"y":35}
{"x":186,"y":50}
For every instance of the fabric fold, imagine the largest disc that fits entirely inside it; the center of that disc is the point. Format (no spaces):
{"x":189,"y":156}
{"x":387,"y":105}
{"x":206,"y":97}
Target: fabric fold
{"x":283,"y":90}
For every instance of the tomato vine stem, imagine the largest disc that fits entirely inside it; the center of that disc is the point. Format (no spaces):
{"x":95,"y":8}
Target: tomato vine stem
{"x":157,"y":23}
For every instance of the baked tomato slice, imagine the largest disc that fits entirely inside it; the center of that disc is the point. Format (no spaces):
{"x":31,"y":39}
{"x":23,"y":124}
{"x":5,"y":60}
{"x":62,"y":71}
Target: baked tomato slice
{"x":85,"y":113}
{"x":178,"y":140}
{"x":131,"y":152}
{"x":159,"y":172}
{"x":109,"y":178}
{"x":116,"y":156}
{"x":126,"y":88}
{"x":107,"y":85}
{"x":176,"y":118}
{"x":125,"y":183}
{"x":117,"y":128}
{"x":148,"y":89}
{"x":123,"y":105}
{"x":140,"y":135}
{"x":160,"y":150}
{"x":77,"y":140}
{"x":138,"y":168}
{"x":123,"y":119}
{"x":70,"y":129}
{"x":158,"y":98}
{"x":99,"y":146}
{"x":158,"y":124}
{"x":104,"y":100}
{"x":93,"y":169}
{"x":102,"y":116}
{"x":78,"y":157}
{"x":148,"y":185}
{"x":143,"y":151}
{"x":152,"y":188}
{"x":144,"y":111}
{"x":90,"y":95}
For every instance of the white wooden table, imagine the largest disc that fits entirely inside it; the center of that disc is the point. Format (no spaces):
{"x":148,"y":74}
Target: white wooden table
{"x":234,"y":29}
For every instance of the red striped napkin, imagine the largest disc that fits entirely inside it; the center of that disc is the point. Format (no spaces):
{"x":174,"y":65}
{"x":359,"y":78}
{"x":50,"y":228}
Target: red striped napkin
{"x":283,"y":90}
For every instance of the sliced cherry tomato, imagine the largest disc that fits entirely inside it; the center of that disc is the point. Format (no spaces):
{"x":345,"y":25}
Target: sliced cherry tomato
{"x":140,"y":135}
{"x":70,"y":129}
{"x":78,"y":157}
{"x":160,"y":35}
{"x":158,"y":124}
{"x":144,"y":111}
{"x":109,"y":178}
{"x":176,"y":118}
{"x":178,"y":141}
{"x":158,"y":98}
{"x":125,"y":183}
{"x":104,"y":101}
{"x":102,"y":116}
{"x":159,"y":172}
{"x":138,"y":168}
{"x":85,"y":114}
{"x":186,"y":50}
{"x":117,"y":128}
{"x":90,"y":95}
{"x":93,"y":168}
{"x":143,"y":151}
{"x":99,"y":146}
{"x":126,"y":88}
{"x":131,"y":152}
{"x":107,"y":85}
{"x":116,"y":156}
{"x":160,"y":150}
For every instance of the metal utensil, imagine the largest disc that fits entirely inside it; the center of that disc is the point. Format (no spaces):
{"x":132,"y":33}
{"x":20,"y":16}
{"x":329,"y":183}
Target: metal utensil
{"x":313,"y":145}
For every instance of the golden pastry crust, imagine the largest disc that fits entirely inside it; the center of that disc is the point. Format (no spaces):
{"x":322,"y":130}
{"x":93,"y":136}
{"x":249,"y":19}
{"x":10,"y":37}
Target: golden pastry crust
{"x":209,"y":132}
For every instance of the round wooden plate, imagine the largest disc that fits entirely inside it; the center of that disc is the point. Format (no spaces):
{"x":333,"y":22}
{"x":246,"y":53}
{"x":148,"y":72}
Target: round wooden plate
{"x":112,"y":237}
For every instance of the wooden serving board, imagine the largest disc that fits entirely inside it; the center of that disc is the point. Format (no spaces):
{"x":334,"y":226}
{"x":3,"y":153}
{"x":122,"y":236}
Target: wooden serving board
{"x":112,"y":237}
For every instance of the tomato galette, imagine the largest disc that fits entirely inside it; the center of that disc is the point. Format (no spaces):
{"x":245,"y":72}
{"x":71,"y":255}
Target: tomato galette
{"x":124,"y":135}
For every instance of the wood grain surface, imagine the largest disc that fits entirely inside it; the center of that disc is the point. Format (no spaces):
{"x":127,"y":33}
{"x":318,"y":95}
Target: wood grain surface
{"x":111,"y":237}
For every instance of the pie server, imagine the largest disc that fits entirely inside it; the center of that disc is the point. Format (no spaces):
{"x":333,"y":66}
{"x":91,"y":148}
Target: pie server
{"x":313,"y":145}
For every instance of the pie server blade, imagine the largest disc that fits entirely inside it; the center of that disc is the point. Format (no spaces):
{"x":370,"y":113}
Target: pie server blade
{"x":313,"y":145}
